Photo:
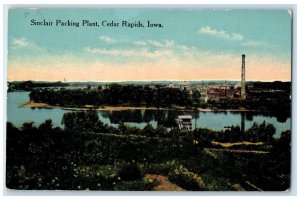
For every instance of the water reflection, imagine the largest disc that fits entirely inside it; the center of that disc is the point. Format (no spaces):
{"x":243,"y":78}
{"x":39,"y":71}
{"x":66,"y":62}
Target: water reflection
{"x":243,"y":121}
{"x":211,"y":120}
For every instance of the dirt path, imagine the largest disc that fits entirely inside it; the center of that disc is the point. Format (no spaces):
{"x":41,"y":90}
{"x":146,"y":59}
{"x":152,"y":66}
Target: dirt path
{"x":165,"y":184}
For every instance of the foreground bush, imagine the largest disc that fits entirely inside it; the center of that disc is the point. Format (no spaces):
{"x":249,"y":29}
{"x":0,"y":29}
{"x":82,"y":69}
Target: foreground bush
{"x":186,"y":179}
{"x":160,"y":168}
{"x":129,"y":172}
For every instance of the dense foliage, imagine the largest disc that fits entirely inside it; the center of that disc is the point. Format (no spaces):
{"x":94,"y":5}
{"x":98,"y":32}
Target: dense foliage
{"x":82,"y":121}
{"x":79,"y":158}
{"x":279,"y":105}
{"x":276,"y":85}
{"x":30,"y":85}
{"x":257,"y":133}
{"x":129,"y":171}
{"x":114,"y":95}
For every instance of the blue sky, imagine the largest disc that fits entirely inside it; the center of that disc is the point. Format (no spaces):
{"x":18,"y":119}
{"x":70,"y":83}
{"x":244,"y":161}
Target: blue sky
{"x":192,"y":45}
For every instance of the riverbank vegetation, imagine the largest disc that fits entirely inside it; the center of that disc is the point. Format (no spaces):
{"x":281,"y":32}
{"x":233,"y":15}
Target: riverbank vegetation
{"x":159,"y":97}
{"x":89,"y":155}
{"x":114,"y":95}
{"x":31,"y":85}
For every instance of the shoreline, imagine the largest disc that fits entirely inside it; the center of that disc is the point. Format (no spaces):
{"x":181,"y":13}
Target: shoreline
{"x":32,"y":104}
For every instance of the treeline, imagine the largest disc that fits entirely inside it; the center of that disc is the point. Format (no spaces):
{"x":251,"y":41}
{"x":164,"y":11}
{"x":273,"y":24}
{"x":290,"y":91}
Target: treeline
{"x":88,"y":121}
{"x":275,"y":85}
{"x":114,"y":95}
{"x":30,"y":85}
{"x":256,"y":133}
{"x":279,"y":105}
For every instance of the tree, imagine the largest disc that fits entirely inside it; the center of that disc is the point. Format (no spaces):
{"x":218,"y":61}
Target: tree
{"x":261,"y":132}
{"x":10,"y":128}
{"x":203,"y":136}
{"x":46,"y":126}
{"x":161,"y":131}
{"x":196,"y":96}
{"x":81,"y":121}
{"x":285,"y":138}
{"x":148,"y":130}
{"x":269,"y":132}
{"x":28,"y":126}
{"x":123,"y":128}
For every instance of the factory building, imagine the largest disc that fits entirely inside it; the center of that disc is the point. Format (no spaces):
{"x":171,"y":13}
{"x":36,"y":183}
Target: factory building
{"x":225,"y":91}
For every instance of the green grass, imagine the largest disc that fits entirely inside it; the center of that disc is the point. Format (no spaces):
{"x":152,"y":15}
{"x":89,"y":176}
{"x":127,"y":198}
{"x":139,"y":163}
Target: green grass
{"x":231,"y":144}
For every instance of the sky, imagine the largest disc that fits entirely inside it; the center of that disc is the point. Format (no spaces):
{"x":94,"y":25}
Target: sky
{"x":192,"y":45}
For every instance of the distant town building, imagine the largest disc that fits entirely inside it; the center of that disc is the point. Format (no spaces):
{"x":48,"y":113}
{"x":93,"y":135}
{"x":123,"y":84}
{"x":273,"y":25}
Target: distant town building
{"x":237,"y":86}
{"x":218,"y":92}
{"x":171,"y":85}
{"x":184,"y":85}
{"x":203,"y":93}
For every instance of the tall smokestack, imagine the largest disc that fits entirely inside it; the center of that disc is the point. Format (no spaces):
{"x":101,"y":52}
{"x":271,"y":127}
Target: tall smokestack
{"x":243,"y":84}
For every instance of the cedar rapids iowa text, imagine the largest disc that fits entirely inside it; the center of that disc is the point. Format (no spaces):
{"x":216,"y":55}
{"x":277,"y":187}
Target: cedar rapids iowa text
{"x":88,"y":23}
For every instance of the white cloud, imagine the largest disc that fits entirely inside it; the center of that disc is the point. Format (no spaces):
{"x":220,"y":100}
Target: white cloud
{"x":208,"y":30}
{"x":169,"y":43}
{"x":107,"y":39}
{"x":233,"y":37}
{"x":144,"y":49}
{"x":252,"y":43}
{"x":145,"y":53}
{"x":186,"y":48}
{"x":24,"y":44}
{"x":222,"y":34}
{"x":155,"y":43}
{"x":19,"y":42}
{"x":169,"y":48}
{"x":166,"y":43}
{"x":237,"y":36}
{"x":140,"y":43}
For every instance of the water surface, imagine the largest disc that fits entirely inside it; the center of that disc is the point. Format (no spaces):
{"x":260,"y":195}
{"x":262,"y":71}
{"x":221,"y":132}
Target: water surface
{"x":212,"y":120}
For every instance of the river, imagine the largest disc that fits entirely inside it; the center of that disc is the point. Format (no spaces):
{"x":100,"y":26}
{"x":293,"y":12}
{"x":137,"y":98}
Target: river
{"x":204,"y":119}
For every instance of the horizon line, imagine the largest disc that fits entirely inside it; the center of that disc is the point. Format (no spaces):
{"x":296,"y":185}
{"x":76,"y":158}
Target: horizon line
{"x":151,"y":80}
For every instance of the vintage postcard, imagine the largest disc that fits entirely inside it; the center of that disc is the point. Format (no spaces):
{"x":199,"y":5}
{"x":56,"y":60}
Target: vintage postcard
{"x":149,"y":99}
